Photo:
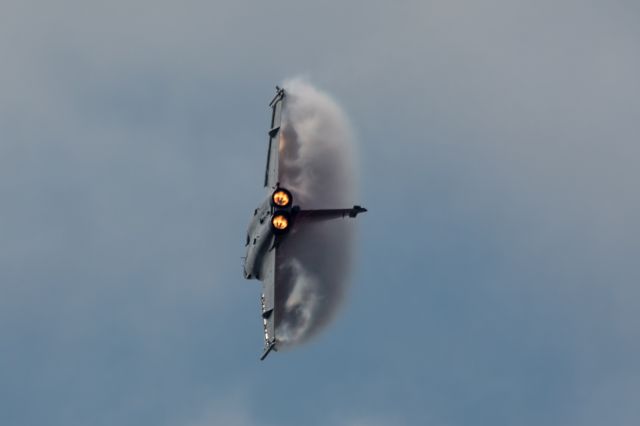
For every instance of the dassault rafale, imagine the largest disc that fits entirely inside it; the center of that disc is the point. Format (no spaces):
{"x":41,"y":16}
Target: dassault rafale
{"x":272,"y":221}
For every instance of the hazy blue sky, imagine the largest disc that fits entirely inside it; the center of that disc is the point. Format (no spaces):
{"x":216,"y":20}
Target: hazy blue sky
{"x":497,"y":280}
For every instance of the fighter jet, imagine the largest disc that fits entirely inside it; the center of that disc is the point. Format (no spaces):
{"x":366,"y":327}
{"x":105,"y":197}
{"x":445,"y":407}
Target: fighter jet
{"x":272,"y":221}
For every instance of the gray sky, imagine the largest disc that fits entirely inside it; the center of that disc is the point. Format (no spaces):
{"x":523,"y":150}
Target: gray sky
{"x":497,"y":274}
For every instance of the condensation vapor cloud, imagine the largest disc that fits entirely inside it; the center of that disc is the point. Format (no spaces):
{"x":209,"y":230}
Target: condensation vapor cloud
{"x":317,"y":164}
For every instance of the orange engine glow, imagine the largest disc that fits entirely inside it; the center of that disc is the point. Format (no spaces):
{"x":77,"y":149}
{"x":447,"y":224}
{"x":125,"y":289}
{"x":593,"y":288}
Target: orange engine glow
{"x":280,"y":222}
{"x":281,"y":198}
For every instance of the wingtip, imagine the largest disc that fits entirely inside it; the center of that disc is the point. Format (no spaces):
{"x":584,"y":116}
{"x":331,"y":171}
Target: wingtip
{"x":356,"y":211}
{"x":267,"y":350}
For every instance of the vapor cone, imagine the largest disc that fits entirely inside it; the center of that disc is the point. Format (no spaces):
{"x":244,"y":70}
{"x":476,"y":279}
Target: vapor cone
{"x":317,"y":166}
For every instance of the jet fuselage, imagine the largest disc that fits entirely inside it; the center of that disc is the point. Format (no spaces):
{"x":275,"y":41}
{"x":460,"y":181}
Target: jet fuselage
{"x":260,"y":238}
